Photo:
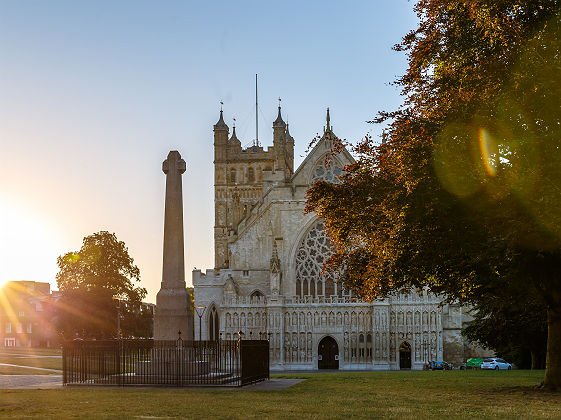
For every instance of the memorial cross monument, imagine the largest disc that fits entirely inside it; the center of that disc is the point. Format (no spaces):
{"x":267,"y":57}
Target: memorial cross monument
{"x":173,"y":313}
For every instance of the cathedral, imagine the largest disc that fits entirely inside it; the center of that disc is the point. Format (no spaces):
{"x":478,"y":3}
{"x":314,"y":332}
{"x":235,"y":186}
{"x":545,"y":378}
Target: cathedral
{"x":268,"y":281}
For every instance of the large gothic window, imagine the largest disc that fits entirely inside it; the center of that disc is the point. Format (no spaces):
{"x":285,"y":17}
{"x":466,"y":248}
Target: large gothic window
{"x":326,"y":171}
{"x":213,"y":324}
{"x":313,"y":251}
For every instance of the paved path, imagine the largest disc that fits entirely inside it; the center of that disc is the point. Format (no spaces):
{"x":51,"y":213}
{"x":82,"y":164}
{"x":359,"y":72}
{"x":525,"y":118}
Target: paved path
{"x":55,"y":381}
{"x":30,"y":381}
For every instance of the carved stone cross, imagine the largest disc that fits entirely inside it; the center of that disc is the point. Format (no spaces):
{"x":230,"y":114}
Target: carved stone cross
{"x":172,"y":302}
{"x":173,"y":267}
{"x":173,"y":163}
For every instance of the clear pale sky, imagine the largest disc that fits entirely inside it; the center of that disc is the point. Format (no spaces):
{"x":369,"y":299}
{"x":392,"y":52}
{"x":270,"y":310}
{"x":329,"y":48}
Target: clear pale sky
{"x":94,"y":94}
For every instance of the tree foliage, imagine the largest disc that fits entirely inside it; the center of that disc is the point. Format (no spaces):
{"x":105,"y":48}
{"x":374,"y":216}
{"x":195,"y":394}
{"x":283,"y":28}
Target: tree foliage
{"x":463,"y":196}
{"x":91,"y":281}
{"x":515,"y":326}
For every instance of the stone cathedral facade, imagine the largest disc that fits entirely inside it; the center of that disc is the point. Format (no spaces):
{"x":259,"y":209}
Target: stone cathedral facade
{"x":268,"y":281}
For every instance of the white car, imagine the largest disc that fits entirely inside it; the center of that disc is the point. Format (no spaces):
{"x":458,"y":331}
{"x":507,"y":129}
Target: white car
{"x":495,"y":363}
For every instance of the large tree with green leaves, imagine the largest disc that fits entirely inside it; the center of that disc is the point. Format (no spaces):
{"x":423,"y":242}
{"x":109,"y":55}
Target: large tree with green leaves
{"x":92,"y":281}
{"x":514,"y":326}
{"x":464,"y":193}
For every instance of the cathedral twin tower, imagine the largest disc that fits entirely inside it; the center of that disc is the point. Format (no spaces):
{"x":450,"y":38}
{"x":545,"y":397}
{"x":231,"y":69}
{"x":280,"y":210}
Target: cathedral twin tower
{"x":239,"y":178}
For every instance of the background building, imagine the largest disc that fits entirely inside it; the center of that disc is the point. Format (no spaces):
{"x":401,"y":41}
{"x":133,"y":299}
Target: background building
{"x":27,"y":314}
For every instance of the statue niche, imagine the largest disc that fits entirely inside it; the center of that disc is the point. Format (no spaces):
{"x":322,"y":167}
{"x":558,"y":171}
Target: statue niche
{"x":230,"y":288}
{"x":275,"y":271}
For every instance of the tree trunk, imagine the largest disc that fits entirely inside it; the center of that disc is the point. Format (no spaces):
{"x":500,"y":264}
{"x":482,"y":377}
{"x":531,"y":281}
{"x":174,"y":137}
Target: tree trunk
{"x":552,"y":377}
{"x":533,"y":358}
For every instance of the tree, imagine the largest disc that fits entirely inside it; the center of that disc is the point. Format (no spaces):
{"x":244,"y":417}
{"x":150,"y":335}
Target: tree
{"x":91,"y":281}
{"x":137,"y":321}
{"x":191,"y":291}
{"x":463,"y":194}
{"x":515,"y":327}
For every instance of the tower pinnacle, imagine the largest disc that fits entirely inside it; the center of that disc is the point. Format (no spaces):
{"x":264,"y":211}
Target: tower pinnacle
{"x":279,"y":121}
{"x":221,"y":125}
{"x":234,"y":137}
{"x":287,"y":135}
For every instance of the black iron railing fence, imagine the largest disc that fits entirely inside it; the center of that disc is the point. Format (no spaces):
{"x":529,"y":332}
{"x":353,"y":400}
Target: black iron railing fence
{"x":254,"y":358}
{"x":165,"y":363}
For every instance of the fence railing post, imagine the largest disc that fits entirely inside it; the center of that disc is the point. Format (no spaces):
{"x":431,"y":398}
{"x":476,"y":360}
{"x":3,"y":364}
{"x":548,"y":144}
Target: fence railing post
{"x":123,"y":362}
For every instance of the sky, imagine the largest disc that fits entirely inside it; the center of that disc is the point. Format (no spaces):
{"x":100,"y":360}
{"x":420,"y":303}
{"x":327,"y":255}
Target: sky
{"x":94,"y":94}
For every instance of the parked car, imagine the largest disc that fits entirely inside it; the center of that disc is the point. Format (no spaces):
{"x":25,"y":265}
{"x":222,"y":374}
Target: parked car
{"x":474,"y":363}
{"x":441,"y":365}
{"x":495,"y":363}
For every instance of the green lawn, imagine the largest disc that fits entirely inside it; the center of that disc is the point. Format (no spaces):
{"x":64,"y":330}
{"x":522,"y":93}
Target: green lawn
{"x":40,"y":358}
{"x":30,"y":351}
{"x":48,"y":363}
{"x":450,"y":394}
{"x":17,"y":370}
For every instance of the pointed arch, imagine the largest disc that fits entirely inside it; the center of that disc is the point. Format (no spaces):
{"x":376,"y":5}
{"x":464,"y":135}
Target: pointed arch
{"x":405,"y":355}
{"x":313,"y":250}
{"x":256,"y":294}
{"x":213,"y":322}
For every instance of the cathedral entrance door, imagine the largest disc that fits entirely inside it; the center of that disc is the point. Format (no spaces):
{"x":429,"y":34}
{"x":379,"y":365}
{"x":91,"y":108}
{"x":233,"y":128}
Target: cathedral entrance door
{"x":328,"y":354}
{"x":405,"y":356}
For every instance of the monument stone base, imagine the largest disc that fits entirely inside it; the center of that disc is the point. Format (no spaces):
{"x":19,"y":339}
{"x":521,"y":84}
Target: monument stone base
{"x":172,"y":315}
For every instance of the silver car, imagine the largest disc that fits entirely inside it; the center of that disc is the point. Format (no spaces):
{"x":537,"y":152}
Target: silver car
{"x":496,"y":364}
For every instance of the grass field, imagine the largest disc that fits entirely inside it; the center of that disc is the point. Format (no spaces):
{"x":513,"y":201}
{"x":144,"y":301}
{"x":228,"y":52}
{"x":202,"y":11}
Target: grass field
{"x":448,"y":394}
{"x":19,"y":370}
{"x":29,"y":351}
{"x":38,"y":358}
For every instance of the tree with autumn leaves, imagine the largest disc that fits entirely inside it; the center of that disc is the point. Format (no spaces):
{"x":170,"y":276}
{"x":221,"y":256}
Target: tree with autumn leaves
{"x":464,"y":193}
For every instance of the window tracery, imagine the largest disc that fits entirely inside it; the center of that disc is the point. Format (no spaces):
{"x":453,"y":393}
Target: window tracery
{"x":313,"y":252}
{"x":326,"y":171}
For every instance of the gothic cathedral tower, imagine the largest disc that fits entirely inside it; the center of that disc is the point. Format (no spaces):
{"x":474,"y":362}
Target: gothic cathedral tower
{"x":238,"y":178}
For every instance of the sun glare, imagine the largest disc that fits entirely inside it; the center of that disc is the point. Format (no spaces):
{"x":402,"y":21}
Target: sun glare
{"x":29,"y":245}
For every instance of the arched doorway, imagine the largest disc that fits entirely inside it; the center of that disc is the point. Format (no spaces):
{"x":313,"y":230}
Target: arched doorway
{"x":328,"y":354}
{"x":405,"y":355}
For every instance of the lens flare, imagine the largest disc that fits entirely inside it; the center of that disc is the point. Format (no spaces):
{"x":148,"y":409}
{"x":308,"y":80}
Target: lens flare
{"x":455,"y":160}
{"x":488,"y":151}
{"x":503,"y":162}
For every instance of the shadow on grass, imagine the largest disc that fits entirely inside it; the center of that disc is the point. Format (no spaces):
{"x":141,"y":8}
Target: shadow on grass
{"x":535,"y":390}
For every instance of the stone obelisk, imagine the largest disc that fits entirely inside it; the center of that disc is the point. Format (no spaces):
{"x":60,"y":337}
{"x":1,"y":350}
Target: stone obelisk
{"x":173,"y":313}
